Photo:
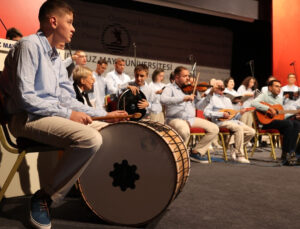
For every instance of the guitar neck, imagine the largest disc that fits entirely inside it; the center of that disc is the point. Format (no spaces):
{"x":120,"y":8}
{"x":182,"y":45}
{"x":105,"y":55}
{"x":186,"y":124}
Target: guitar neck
{"x":288,"y":111}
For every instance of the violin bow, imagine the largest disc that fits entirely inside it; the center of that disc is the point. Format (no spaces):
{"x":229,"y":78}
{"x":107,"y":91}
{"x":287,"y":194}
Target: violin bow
{"x":196,"y":83}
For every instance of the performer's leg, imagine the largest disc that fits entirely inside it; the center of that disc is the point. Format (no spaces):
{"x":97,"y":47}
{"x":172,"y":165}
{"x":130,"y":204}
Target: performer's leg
{"x":80,"y":143}
{"x":182,"y":127}
{"x":212,"y":131}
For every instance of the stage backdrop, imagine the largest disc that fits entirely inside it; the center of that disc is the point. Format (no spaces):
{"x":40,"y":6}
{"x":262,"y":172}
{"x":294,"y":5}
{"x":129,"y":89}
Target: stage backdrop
{"x":286,"y":33}
{"x":20,"y":14}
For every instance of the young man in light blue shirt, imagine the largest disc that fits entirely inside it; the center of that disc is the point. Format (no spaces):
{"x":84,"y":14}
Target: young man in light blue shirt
{"x":42,"y":105}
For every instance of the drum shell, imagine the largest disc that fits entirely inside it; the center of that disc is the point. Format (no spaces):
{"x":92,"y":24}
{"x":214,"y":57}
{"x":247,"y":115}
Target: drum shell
{"x":179,"y":164}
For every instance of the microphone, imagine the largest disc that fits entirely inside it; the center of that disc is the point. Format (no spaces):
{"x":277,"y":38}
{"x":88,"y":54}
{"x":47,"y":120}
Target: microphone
{"x":293,"y":63}
{"x":193,"y":68}
{"x":3,"y":24}
{"x":250,"y":62}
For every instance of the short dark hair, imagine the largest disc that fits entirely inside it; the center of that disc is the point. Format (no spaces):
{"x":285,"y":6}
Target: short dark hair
{"x":178,"y":70}
{"x":119,"y":60}
{"x":51,"y":6}
{"x":155,"y":73}
{"x":226,"y":81}
{"x":270,"y":83}
{"x":141,"y":67}
{"x":12,"y":33}
{"x":102,"y":61}
{"x":172,"y":77}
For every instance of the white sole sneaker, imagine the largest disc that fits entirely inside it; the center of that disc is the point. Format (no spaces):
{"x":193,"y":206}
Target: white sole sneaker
{"x":242,"y":160}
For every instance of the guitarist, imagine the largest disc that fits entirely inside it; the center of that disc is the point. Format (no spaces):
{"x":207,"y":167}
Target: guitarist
{"x":242,"y":133}
{"x":288,"y":128}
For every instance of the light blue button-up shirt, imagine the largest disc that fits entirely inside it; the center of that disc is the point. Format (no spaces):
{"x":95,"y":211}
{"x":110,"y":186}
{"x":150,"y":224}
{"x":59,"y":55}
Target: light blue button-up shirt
{"x":35,"y":80}
{"x":172,"y":97}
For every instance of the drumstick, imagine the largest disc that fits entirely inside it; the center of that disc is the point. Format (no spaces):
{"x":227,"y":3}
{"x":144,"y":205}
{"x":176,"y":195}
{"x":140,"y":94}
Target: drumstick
{"x":135,"y":115}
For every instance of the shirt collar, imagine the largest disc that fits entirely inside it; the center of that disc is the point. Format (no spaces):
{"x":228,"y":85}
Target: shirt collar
{"x":52,"y":52}
{"x":271,"y":94}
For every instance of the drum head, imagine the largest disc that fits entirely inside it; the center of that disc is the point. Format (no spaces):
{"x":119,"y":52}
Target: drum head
{"x":130,"y":102}
{"x":132,"y":179}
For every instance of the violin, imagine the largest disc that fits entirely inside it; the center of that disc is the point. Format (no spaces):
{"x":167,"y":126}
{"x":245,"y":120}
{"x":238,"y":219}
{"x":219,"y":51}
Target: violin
{"x":201,"y":87}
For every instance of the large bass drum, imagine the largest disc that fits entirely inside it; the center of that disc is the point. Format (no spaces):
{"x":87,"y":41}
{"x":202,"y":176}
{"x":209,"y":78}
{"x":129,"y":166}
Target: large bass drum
{"x":139,"y":170}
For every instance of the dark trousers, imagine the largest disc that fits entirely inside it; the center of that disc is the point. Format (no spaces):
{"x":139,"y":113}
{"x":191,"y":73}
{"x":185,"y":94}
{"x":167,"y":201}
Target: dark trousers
{"x":289,"y":129}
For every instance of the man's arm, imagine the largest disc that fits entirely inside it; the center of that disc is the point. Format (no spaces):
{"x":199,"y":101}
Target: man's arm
{"x":167,"y":98}
{"x":27,"y":57}
{"x":257,"y":103}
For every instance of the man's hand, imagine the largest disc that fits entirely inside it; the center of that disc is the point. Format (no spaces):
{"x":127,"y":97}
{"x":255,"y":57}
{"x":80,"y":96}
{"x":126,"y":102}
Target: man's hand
{"x":159,"y":91}
{"x":143,"y":104}
{"x":189,"y":98}
{"x":243,"y":111}
{"x":80,"y":117}
{"x":226,"y":115}
{"x":272,"y":112}
{"x":119,"y":115}
{"x":134,"y":89}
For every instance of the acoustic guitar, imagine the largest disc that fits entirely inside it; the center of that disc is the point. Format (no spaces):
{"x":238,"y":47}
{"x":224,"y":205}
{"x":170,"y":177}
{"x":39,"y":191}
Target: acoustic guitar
{"x":266,"y":117}
{"x":233,"y":113}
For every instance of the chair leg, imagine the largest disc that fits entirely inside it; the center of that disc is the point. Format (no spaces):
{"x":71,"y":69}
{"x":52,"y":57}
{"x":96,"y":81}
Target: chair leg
{"x":254,"y":145}
{"x":273,"y":153}
{"x":224,"y":147}
{"x":12,"y":173}
{"x":208,"y":156}
{"x":246,"y":152}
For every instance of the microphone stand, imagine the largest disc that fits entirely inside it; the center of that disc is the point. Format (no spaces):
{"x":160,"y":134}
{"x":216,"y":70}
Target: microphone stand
{"x":3,"y":24}
{"x":134,"y":53}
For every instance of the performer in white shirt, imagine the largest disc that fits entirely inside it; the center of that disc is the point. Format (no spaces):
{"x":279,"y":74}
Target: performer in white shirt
{"x":97,"y":95}
{"x":180,"y":114}
{"x":291,"y":87}
{"x":139,"y":84}
{"x":157,"y":87}
{"x":117,"y":80}
{"x":229,"y":89}
{"x":247,"y":88}
{"x":241,"y":132}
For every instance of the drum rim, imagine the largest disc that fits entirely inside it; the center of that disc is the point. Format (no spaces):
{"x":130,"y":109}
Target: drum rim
{"x":172,"y":197}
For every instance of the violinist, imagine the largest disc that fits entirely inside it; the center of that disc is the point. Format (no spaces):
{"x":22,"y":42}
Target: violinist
{"x":181,"y":115}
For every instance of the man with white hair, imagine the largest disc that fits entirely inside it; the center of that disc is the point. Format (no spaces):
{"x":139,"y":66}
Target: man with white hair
{"x":241,"y":132}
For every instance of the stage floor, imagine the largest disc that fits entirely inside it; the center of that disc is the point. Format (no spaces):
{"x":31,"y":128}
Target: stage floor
{"x":221,"y":195}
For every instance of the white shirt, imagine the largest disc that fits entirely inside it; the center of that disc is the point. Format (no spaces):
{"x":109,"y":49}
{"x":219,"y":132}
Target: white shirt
{"x":288,"y":103}
{"x":116,"y":82}
{"x":242,"y":91}
{"x":156,"y":105}
{"x":100,"y":90}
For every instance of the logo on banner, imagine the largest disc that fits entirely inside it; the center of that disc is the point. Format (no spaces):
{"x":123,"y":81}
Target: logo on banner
{"x":116,"y":39}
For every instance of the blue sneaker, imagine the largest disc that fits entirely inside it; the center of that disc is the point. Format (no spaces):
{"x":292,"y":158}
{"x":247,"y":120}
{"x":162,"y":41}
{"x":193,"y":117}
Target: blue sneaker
{"x":196,"y":157}
{"x":39,"y":211}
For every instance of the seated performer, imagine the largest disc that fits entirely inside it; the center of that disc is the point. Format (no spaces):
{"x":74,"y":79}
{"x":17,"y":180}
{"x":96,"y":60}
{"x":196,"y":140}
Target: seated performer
{"x":140,"y":84}
{"x":37,"y":91}
{"x":83,"y":83}
{"x":13,"y":34}
{"x":157,"y":87}
{"x":180,"y":114}
{"x":288,"y":128}
{"x":290,"y":91}
{"x":117,"y":80}
{"x":247,"y":88}
{"x":99,"y":91}
{"x":241,"y":132}
{"x":229,"y":89}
